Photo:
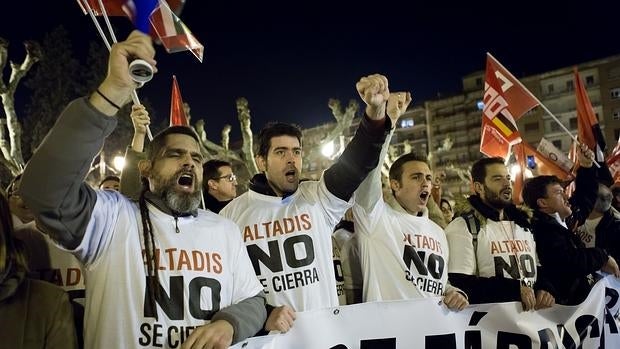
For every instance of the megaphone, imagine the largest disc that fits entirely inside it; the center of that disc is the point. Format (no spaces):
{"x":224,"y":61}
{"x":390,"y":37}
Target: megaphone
{"x":140,"y":71}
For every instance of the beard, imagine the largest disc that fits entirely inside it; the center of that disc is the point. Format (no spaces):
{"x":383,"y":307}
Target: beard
{"x":179,"y":202}
{"x":496,"y":200}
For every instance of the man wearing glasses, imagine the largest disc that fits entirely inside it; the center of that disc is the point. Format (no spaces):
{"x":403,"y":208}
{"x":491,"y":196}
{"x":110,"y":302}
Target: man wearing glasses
{"x":220,"y":184}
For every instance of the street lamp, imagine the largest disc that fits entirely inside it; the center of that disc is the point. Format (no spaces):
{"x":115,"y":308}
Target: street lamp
{"x":119,"y":162}
{"x":328,"y":149}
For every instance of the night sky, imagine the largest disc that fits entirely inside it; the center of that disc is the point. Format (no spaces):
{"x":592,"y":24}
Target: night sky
{"x":288,"y":59}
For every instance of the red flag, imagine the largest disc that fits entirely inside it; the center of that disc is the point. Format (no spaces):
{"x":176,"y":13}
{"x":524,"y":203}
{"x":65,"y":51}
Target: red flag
{"x":112,"y":7}
{"x":529,"y":158}
{"x":587,"y":124}
{"x":613,"y":162}
{"x":505,"y":100}
{"x":177,"y":113}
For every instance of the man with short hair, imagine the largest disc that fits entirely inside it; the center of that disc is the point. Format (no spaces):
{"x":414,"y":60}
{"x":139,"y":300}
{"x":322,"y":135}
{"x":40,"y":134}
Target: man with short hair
{"x":404,"y":254}
{"x":220,"y":184}
{"x":287,"y":224}
{"x":492,"y":251}
{"x":110,"y":183}
{"x":602,"y":228}
{"x":570,"y":265}
{"x":161,"y":272}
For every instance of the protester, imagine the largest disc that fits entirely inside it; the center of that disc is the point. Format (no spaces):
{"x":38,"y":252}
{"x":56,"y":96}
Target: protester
{"x":287,"y":225}
{"x":403,"y":253}
{"x":446,"y":209}
{"x":160,"y":272}
{"x":602,"y":228}
{"x":110,"y":183}
{"x":493,"y":256}
{"x":34,"y":314}
{"x":220,"y":184}
{"x":569,"y":263}
{"x":347,"y":243}
{"x":45,"y":260}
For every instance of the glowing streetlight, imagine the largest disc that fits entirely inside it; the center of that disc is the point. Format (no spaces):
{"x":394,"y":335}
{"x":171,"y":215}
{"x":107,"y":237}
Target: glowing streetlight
{"x":328,"y":149}
{"x":119,"y":162}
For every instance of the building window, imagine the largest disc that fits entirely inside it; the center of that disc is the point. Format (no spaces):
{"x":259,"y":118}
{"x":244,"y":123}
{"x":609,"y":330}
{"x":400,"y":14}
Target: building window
{"x":615,"y":93}
{"x":550,"y":88}
{"x":589,"y":80}
{"x":572,"y":123}
{"x":532,"y":126}
{"x":616,"y":114}
{"x":616,"y":133}
{"x":406,"y":123}
{"x":557,"y":143}
{"x":555,"y":127}
{"x":569,"y":85}
{"x":479,"y":82}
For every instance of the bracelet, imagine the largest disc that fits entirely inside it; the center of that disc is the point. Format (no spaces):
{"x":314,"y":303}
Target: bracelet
{"x":107,"y":99}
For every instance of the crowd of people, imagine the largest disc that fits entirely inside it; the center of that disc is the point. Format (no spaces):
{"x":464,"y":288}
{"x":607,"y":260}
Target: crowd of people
{"x":162,"y":271}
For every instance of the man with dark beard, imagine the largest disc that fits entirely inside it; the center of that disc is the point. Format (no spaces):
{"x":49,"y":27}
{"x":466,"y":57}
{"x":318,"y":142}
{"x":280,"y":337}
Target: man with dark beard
{"x":287,"y":223}
{"x":492,"y":251}
{"x":161,"y":272}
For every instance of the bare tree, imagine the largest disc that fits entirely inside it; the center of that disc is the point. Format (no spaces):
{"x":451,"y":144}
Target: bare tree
{"x":11,"y":148}
{"x":344,"y":118}
{"x":243,"y":114}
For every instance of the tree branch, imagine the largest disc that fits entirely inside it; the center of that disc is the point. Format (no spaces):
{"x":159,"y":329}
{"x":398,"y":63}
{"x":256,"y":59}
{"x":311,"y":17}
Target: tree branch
{"x":243,"y":114}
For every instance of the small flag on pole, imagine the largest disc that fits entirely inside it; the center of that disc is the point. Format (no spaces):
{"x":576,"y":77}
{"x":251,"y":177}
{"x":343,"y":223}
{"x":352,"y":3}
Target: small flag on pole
{"x":177,"y":113}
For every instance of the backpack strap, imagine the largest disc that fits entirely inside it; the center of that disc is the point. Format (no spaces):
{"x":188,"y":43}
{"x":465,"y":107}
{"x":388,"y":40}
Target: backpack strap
{"x":473,"y":225}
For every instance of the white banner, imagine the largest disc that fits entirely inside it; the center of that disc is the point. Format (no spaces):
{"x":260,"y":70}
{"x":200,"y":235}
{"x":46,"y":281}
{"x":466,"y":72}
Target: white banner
{"x":423,"y":323}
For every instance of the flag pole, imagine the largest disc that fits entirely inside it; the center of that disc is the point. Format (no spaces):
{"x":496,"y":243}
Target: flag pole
{"x":134,"y":94}
{"x":573,"y":137}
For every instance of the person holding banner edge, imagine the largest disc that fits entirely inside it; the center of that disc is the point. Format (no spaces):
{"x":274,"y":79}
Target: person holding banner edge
{"x":404,"y":254}
{"x":492,"y":251}
{"x":570,"y":264}
{"x":126,"y":307}
{"x":287,"y":223}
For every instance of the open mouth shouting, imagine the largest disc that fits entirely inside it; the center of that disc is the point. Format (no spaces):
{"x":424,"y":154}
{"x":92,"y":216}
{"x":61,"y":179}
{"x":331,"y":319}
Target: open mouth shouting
{"x":186,"y":181}
{"x":291,"y":175}
{"x":506,"y":194}
{"x":424,"y":195}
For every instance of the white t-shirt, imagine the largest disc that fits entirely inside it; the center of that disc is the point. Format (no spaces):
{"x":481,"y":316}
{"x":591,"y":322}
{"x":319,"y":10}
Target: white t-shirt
{"x":403,"y":256}
{"x":50,"y":262}
{"x":505,"y":249}
{"x":289,"y":243}
{"x":202,"y":269}
{"x":338,"y":272}
{"x":351,"y":265}
{"x":587,"y":232}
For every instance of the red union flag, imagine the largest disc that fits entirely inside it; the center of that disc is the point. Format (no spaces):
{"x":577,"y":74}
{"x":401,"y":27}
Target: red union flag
{"x":177,"y":113}
{"x":505,"y":100}
{"x":613,"y":162}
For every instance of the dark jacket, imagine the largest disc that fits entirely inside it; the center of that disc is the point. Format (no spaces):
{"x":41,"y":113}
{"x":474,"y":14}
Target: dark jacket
{"x":608,"y":233}
{"x":569,"y":264}
{"x":214,"y":204}
{"x":34,"y":314}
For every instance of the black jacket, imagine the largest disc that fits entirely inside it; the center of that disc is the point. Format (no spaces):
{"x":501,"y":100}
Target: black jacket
{"x":565,"y":258}
{"x":608,"y":233}
{"x":568,"y":262}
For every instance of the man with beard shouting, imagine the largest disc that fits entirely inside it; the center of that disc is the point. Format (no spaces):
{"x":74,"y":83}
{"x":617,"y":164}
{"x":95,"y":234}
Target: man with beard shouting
{"x":287,"y":225}
{"x":161,"y":272}
{"x":492,"y":251}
